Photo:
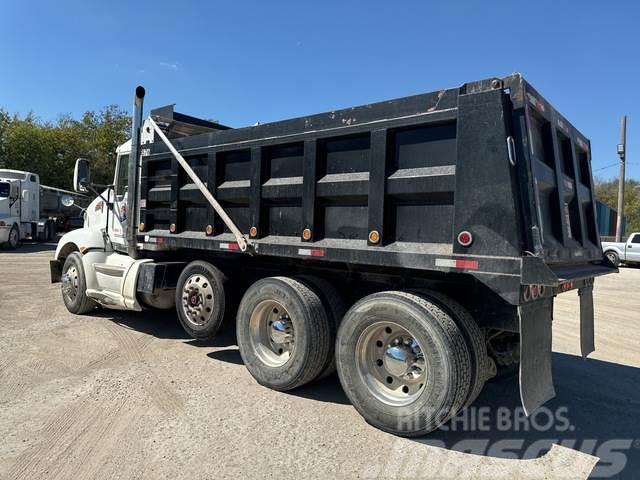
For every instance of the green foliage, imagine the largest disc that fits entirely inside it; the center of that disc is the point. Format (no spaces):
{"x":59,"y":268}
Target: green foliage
{"x":50,"y":149}
{"x":607,"y":193}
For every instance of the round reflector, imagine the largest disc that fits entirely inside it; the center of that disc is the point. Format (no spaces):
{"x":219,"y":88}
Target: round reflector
{"x":465,"y":238}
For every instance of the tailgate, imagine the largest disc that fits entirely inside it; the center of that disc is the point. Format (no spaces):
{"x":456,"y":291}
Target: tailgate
{"x":557,"y":174}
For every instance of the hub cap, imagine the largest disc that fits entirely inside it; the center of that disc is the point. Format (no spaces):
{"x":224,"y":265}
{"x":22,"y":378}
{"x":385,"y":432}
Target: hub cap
{"x":70,"y":283}
{"x":272,"y":334}
{"x":197,"y":300}
{"x":391,"y":363}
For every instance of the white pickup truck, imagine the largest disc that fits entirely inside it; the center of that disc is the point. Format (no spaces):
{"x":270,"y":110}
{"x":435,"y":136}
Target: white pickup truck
{"x":626,"y":252}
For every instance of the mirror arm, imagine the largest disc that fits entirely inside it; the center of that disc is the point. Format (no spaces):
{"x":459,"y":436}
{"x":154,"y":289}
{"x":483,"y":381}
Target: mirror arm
{"x":96,"y":192}
{"x":79,"y":207}
{"x":109,"y":204}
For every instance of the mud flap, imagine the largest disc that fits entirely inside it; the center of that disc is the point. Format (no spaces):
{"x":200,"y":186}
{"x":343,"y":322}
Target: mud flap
{"x":536,"y":381}
{"x":587,"y":342}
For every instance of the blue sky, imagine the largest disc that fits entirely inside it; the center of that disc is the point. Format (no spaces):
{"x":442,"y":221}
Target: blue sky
{"x":240,"y":62}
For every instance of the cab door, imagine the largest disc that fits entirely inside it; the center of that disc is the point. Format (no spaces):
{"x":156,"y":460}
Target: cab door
{"x":119,"y":198}
{"x":633,"y":248}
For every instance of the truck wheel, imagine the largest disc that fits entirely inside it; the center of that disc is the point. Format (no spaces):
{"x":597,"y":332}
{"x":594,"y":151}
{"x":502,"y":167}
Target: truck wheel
{"x":201,"y":300}
{"x":283,"y":333}
{"x":14,"y":238}
{"x":403,"y":362}
{"x":613,"y":257}
{"x":74,"y":286}
{"x":335,"y":307}
{"x":45,"y":234}
{"x":50,"y":232}
{"x":473,"y":336}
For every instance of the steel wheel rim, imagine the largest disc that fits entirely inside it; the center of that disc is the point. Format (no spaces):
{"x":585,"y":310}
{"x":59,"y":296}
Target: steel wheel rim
{"x":70,"y":283}
{"x":272,"y":333}
{"x":197,"y":300}
{"x":391,"y":363}
{"x":611,"y":257}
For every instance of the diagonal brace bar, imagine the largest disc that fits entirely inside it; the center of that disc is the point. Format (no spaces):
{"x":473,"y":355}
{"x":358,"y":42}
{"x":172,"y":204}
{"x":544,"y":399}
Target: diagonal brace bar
{"x":243,"y":243}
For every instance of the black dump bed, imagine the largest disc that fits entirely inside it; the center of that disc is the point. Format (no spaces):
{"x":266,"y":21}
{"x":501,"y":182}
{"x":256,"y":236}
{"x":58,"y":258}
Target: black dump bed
{"x":393,"y":184}
{"x":51,"y":202}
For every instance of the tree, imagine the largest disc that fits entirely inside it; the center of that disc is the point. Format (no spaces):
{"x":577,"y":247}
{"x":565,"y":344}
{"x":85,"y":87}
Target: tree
{"x":607,"y":192}
{"x":51,"y":148}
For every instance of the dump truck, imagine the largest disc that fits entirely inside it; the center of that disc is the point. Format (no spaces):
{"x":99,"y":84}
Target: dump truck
{"x":414,"y":245}
{"x":31,"y":211}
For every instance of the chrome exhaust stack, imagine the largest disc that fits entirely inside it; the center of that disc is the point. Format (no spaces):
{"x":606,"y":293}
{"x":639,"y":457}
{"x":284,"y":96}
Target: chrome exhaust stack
{"x":134,"y":168}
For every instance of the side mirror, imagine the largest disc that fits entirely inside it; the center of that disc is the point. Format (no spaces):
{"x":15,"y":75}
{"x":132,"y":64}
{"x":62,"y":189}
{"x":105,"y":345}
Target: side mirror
{"x":67,"y":200}
{"x":81,"y":176}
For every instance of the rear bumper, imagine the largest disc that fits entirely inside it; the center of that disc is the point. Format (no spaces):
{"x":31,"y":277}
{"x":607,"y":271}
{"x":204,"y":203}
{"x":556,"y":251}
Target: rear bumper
{"x":536,"y":272}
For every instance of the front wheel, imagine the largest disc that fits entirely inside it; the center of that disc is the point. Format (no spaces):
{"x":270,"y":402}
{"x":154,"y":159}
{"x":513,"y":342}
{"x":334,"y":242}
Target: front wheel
{"x":14,"y":238}
{"x":74,"y":286}
{"x":403,"y":362}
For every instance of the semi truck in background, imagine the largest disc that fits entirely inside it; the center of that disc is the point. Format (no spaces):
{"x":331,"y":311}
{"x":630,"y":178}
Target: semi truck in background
{"x":31,"y":211}
{"x":415,"y":245}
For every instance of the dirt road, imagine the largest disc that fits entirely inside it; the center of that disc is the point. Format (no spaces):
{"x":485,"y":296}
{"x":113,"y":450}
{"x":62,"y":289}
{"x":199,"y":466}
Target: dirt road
{"x":122,"y":395}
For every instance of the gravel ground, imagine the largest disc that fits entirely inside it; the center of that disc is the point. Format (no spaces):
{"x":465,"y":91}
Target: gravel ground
{"x":127,"y":395}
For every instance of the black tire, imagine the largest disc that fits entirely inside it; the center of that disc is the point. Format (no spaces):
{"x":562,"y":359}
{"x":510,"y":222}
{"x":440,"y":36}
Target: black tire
{"x":613,"y":257}
{"x":301,"y":308}
{"x":201,"y":300}
{"x":45,"y":235}
{"x":473,"y":336}
{"x":14,"y":238}
{"x":74,"y":286}
{"x":446,"y":365}
{"x":335,"y":307}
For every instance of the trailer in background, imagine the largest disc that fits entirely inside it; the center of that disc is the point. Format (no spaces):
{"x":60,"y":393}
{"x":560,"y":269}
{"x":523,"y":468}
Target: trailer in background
{"x":606,"y":218}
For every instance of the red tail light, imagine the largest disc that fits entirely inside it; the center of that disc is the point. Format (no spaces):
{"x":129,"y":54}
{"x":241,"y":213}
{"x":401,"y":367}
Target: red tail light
{"x":465,"y":238}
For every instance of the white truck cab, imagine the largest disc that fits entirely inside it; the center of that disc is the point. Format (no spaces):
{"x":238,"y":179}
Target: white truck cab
{"x":20,"y":215}
{"x":92,"y":262}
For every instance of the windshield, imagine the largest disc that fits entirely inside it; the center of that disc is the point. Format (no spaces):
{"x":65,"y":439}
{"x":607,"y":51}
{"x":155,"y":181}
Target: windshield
{"x":122,"y":179}
{"x":4,"y":189}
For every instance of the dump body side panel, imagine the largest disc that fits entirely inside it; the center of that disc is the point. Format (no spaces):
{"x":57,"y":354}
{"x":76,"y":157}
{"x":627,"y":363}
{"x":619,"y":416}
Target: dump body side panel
{"x":389,"y":185}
